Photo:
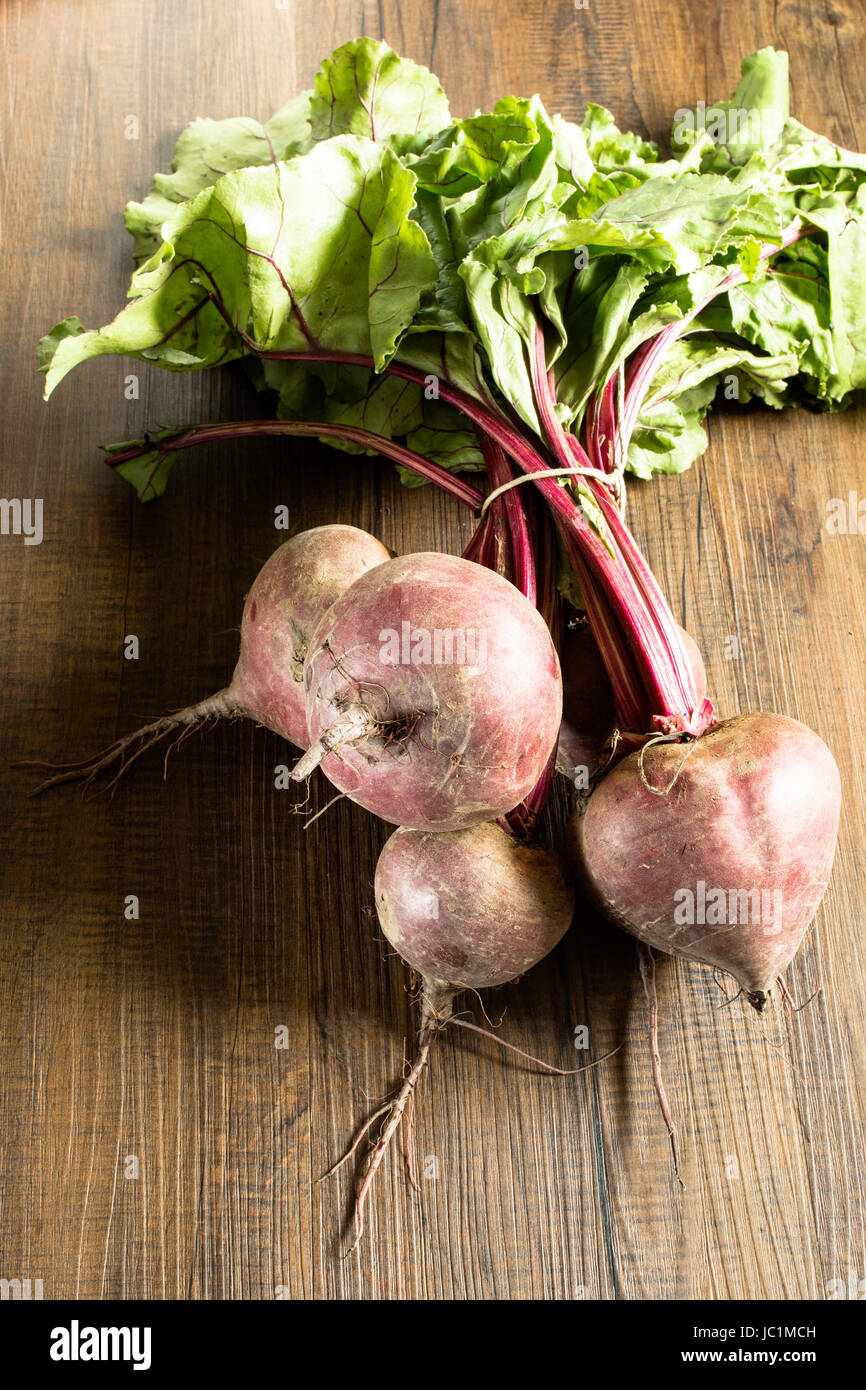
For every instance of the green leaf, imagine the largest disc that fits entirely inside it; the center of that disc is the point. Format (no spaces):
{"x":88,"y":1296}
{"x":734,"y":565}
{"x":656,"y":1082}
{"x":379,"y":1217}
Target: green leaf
{"x":204,"y":152}
{"x":596,"y":305}
{"x":706,"y":358}
{"x":148,"y":473}
{"x":786,"y":311}
{"x":571,"y":152}
{"x":595,"y":516}
{"x":749,"y":257}
{"x":317,"y":252}
{"x":697,"y":216}
{"x":611,"y":148}
{"x":366,"y":89}
{"x":471,"y":153}
{"x":49,"y":344}
{"x":288,"y":131}
{"x":750,"y":121}
{"x":448,"y":438}
{"x":504,"y":322}
{"x":449,"y":357}
{"x":444,"y":307}
{"x":389,"y":406}
{"x":846,"y":265}
{"x":518,"y":139}
{"x":671,"y":440}
{"x":669,"y":435}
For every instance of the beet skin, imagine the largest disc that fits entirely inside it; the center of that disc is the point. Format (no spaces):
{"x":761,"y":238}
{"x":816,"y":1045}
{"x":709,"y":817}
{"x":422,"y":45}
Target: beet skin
{"x":729,"y":866}
{"x":471,"y":908}
{"x":433,"y":693}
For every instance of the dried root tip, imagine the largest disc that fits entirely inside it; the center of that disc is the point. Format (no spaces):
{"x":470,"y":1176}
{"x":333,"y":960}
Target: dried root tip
{"x":120,"y":756}
{"x":351,"y":727}
{"x":758,"y":998}
{"x":436,"y":1004}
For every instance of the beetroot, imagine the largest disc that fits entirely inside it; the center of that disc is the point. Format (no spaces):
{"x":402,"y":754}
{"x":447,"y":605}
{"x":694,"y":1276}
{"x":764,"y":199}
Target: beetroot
{"x":433,"y":694}
{"x":468,"y":909}
{"x":292,"y":591}
{"x":290,"y":595}
{"x":719,"y":851}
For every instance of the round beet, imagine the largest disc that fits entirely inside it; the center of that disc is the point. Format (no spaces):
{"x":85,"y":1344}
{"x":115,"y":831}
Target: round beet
{"x":473,"y":908}
{"x":433,"y":694}
{"x":719,"y":851}
{"x":467,"y":909}
{"x":289,"y":596}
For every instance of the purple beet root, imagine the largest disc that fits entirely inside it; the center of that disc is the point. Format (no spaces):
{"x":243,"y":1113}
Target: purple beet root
{"x":588,"y":715}
{"x":433,"y":694}
{"x":468,"y":909}
{"x":290,"y":595}
{"x":473,"y":908}
{"x":719,"y":851}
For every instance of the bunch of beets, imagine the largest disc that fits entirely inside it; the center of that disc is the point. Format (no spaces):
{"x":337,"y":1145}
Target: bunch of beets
{"x":549,"y":306}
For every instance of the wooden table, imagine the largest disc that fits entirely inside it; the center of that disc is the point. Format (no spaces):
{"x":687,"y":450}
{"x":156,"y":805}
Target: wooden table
{"x":155,"y":1141}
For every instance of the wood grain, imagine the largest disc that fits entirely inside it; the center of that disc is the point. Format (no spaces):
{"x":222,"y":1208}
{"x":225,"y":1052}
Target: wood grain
{"x":155,"y":1038}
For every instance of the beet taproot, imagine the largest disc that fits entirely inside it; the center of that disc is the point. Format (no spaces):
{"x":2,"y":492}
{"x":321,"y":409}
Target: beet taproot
{"x":718,"y":851}
{"x":434,"y":696}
